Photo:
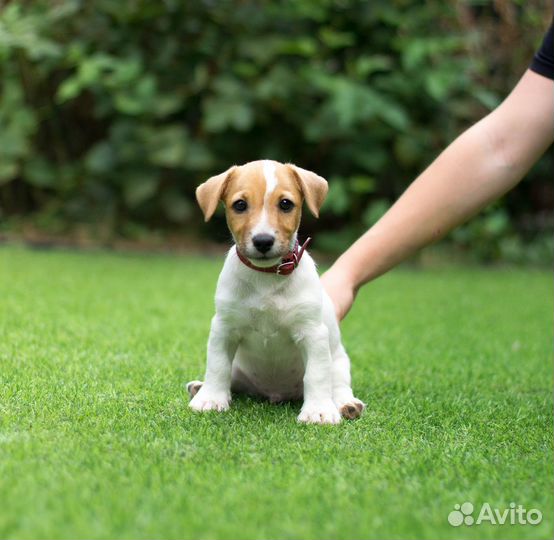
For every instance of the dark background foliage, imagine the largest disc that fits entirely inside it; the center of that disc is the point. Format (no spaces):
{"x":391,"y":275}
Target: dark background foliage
{"x":111,"y":112}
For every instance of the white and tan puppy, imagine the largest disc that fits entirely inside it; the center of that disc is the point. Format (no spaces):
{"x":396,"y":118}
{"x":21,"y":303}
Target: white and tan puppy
{"x":274,"y":333}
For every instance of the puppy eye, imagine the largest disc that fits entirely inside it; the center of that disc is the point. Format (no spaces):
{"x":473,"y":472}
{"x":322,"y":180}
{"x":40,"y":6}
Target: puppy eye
{"x":285,"y":205}
{"x":240,"y":206}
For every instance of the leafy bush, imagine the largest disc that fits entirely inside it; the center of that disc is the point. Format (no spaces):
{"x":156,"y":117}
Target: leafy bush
{"x":112,"y":112}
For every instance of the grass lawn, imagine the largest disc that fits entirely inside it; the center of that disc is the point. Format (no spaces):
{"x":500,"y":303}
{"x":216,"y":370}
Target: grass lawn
{"x":96,"y":440}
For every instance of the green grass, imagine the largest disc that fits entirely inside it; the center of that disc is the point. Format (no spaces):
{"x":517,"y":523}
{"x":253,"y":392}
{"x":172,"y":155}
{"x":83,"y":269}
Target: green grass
{"x":96,"y":440}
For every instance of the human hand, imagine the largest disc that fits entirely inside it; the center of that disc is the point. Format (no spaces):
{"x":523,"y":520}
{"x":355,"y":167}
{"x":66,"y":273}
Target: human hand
{"x":341,"y":290}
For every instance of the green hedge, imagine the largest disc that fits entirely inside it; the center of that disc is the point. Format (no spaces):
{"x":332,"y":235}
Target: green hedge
{"x":111,"y":112}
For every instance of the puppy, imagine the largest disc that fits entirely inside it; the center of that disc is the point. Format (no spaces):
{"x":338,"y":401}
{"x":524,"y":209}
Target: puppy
{"x":274,"y":333}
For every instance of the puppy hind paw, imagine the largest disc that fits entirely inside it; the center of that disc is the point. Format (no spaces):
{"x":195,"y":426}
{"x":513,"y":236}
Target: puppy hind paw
{"x":352,"y":409}
{"x":193,"y":387}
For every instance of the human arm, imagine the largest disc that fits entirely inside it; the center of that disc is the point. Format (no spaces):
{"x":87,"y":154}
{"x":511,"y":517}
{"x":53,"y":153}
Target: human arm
{"x":482,"y":164}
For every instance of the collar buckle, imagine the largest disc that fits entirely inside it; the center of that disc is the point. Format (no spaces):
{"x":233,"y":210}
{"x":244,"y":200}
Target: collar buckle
{"x":286,"y":268}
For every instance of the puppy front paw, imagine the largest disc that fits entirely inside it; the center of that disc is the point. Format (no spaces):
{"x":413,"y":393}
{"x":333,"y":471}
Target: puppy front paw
{"x":319,"y":412}
{"x":206,"y":400}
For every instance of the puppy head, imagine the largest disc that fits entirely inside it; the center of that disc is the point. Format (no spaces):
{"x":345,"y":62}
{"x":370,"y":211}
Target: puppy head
{"x":263,"y":205}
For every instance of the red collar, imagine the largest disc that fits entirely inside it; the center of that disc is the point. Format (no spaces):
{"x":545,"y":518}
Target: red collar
{"x":287,"y":265}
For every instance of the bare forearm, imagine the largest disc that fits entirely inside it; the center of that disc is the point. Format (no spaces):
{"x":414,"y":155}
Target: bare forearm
{"x":463,"y":179}
{"x":477,"y":168}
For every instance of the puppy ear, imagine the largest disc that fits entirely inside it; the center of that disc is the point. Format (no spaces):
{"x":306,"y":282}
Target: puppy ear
{"x":313,"y":187}
{"x":210,"y":192}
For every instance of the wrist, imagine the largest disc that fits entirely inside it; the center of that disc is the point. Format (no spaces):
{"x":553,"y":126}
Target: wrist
{"x":363,"y":261}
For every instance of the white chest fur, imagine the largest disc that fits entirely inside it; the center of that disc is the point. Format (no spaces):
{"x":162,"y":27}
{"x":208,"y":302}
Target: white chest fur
{"x":276,"y":336}
{"x":269,"y":315}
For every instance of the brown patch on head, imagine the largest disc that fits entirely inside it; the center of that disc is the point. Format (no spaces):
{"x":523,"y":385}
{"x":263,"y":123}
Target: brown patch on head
{"x":265,"y":186}
{"x":247,"y":185}
{"x":286,"y":223}
{"x":272,"y":195}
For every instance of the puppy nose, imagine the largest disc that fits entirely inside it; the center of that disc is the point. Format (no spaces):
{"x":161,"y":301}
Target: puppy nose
{"x":263,"y":242}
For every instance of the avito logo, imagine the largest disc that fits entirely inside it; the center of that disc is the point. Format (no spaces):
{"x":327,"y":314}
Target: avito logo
{"x":514,"y":515}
